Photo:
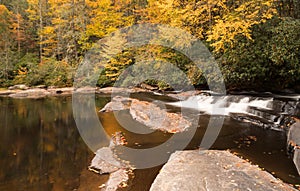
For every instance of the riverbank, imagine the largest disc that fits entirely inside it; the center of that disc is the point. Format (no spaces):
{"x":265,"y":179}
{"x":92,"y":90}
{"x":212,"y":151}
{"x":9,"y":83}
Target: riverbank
{"x":22,"y":91}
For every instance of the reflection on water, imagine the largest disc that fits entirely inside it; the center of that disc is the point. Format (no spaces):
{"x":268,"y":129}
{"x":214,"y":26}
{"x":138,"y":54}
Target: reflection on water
{"x":40,"y":147}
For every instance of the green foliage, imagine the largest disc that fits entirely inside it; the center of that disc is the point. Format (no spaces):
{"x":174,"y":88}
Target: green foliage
{"x":25,"y":69}
{"x":270,"y":61}
{"x":151,"y":63}
{"x":50,"y":72}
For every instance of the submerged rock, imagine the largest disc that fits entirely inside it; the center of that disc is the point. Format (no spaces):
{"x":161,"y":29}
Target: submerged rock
{"x":214,"y":171}
{"x":149,"y":114}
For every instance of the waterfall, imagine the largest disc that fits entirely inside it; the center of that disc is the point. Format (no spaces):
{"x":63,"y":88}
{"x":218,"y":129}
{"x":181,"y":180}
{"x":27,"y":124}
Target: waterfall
{"x":268,"y":112}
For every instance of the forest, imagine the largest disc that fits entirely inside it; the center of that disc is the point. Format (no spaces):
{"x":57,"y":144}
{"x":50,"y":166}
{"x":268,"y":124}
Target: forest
{"x":255,"y":42}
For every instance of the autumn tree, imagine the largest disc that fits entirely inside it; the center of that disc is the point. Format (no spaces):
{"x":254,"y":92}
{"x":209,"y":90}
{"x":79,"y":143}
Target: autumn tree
{"x":5,"y":41}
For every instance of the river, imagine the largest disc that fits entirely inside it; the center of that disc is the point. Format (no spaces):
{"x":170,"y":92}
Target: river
{"x":41,"y":149}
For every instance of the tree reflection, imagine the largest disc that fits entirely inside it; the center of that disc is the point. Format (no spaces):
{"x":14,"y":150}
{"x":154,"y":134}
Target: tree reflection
{"x":40,"y":147}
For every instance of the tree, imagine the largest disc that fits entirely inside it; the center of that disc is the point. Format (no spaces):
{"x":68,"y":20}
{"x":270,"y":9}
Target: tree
{"x":5,"y":41}
{"x":105,"y":17}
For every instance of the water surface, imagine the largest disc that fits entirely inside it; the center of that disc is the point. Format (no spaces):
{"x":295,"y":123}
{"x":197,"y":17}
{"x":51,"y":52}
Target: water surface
{"x":41,"y":149}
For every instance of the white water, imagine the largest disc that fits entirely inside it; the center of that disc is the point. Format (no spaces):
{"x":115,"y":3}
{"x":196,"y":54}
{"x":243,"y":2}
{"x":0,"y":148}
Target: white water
{"x":224,"y":105}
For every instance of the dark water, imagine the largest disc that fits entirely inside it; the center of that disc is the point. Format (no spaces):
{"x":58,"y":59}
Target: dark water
{"x":41,"y":149}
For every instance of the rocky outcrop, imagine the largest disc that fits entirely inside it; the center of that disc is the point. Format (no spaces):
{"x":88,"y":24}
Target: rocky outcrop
{"x":214,"y":171}
{"x":293,"y":139}
{"x":149,"y":114}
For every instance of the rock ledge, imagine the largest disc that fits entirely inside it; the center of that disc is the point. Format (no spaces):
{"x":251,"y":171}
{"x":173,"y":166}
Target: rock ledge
{"x":214,"y":171}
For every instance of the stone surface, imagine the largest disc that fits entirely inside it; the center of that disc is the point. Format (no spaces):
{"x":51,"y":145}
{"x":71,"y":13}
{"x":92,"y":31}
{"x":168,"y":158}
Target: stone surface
{"x":19,"y":87}
{"x":156,"y":118}
{"x":22,"y":91}
{"x":117,"y":103}
{"x":61,"y":91}
{"x":213,"y":171}
{"x":116,"y":180}
{"x":118,"y":90}
{"x":149,"y":114}
{"x":293,"y":138}
{"x":184,"y":95}
{"x":86,"y":90}
{"x":30,"y":93}
{"x":7,"y":92}
{"x":105,"y":162}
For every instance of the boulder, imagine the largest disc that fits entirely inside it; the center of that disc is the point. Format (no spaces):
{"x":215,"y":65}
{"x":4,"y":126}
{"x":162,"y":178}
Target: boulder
{"x":148,"y":87}
{"x":156,"y":118}
{"x":117,"y":103}
{"x":19,"y":87}
{"x":149,"y":114}
{"x":116,"y":180}
{"x":105,"y":162}
{"x":214,"y":171}
{"x":293,"y":138}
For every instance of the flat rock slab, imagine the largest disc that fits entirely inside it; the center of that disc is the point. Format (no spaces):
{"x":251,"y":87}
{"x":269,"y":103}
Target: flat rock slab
{"x":156,"y":118}
{"x":30,"y":93}
{"x":213,"y":171}
{"x":149,"y":114}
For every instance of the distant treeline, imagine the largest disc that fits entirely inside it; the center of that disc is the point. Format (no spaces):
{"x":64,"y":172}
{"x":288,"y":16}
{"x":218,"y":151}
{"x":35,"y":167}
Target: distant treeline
{"x":256,"y":42}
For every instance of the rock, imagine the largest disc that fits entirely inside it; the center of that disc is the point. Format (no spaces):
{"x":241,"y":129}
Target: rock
{"x":184,"y":95}
{"x":148,"y":87}
{"x":7,"y":92}
{"x":214,"y":171}
{"x":293,"y":139}
{"x":149,"y":114}
{"x":86,"y":90}
{"x":19,"y":87}
{"x":41,"y":86}
{"x":60,"y":91}
{"x":119,"y":90}
{"x":116,"y":180}
{"x":31,"y":93}
{"x":117,"y":103}
{"x":105,"y":162}
{"x":156,"y":118}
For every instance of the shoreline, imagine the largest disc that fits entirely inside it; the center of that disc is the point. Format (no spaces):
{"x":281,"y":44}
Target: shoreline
{"x":37,"y":92}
